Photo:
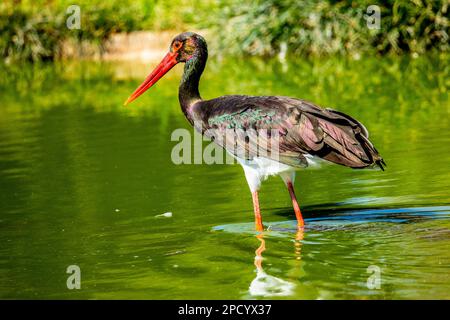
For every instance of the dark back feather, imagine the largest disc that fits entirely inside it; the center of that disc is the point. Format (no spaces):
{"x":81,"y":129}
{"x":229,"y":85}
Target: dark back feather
{"x":302,"y":127}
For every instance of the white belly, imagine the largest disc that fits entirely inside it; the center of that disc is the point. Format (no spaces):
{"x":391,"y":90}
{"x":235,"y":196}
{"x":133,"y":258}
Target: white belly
{"x":259,"y":169}
{"x":265,"y":167}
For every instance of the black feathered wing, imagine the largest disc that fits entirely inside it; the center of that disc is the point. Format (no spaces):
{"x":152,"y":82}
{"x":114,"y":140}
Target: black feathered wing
{"x":247,"y":123}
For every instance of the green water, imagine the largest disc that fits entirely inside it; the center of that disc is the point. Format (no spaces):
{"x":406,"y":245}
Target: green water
{"x":82,"y":179}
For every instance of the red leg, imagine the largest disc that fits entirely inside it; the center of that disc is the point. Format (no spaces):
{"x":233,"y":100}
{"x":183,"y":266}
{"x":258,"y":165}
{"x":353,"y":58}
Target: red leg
{"x":258,"y":219}
{"x":298,"y":213}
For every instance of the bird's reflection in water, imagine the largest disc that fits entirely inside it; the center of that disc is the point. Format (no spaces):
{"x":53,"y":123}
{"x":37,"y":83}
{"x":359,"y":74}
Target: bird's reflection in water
{"x":265,"y":285}
{"x":298,"y":244}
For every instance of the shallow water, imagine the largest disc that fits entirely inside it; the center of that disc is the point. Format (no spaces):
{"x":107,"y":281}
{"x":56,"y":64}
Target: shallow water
{"x":82,"y":179}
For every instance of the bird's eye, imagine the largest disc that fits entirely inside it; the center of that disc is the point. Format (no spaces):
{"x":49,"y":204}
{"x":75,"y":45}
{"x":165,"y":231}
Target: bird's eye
{"x":177,"y":45}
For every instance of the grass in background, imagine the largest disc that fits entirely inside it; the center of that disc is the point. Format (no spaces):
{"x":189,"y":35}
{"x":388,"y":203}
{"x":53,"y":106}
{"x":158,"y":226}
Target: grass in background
{"x":263,"y":27}
{"x":36,"y":30}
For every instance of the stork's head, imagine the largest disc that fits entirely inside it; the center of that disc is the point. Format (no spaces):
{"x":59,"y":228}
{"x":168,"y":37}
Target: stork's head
{"x":183,"y":48}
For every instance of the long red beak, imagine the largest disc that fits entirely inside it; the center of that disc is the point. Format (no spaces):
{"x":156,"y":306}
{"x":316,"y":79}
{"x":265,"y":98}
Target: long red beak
{"x":164,"y":66}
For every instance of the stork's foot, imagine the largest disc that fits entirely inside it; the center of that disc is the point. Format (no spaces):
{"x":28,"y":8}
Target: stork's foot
{"x":259,"y":226}
{"x":258,"y":219}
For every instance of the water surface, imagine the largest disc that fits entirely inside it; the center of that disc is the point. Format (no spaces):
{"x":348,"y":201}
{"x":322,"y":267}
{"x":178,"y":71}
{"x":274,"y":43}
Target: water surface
{"x":82,"y":179}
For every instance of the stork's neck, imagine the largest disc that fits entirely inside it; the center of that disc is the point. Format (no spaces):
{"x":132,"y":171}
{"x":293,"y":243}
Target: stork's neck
{"x":188,"y":93}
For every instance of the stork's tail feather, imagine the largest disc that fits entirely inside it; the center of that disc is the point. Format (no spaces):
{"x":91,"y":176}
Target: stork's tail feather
{"x":372,"y":152}
{"x":380,"y":163}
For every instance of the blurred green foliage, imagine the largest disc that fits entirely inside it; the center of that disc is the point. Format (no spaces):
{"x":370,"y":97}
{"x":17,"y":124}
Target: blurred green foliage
{"x":316,"y":27}
{"x":25,"y":35}
{"x":35,"y":30}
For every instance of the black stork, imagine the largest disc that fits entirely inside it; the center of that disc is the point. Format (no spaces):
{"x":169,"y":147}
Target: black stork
{"x":305,"y":130}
